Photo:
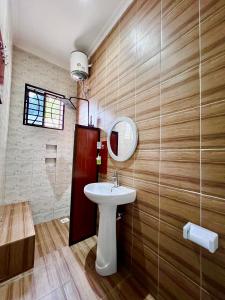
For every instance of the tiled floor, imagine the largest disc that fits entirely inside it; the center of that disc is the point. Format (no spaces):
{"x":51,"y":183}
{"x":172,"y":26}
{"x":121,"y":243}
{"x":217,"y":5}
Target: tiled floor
{"x":61,"y":272}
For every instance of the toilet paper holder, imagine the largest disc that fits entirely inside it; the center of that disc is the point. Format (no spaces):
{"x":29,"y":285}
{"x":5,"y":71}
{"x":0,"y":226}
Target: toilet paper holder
{"x":201,"y":236}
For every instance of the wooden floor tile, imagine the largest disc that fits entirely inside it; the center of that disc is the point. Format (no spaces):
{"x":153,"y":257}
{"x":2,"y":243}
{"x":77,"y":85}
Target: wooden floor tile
{"x":62,"y":272}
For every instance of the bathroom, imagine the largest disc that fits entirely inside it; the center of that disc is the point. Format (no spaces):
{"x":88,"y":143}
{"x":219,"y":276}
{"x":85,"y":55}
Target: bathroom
{"x":86,"y":213}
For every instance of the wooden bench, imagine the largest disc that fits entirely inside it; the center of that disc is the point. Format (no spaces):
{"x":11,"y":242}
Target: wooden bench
{"x":17,"y":239}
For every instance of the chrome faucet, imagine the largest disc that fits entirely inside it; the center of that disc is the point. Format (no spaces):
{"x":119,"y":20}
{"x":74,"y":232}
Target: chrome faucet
{"x":115,"y":180}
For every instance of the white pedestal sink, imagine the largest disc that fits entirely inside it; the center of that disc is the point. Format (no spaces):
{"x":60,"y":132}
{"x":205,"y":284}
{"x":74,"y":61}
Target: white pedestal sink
{"x":107,"y":197}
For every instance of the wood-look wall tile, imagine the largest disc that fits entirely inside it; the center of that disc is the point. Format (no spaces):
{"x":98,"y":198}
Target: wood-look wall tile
{"x":182,"y":254}
{"x":146,"y":229}
{"x":180,"y":169}
{"x":173,"y":285}
{"x":125,"y":81}
{"x":111,"y":94}
{"x":213,"y":172}
{"x":213,"y":79}
{"x":181,"y":92}
{"x":126,"y":89}
{"x":127,"y":61}
{"x":147,"y":197}
{"x":109,"y":116}
{"x":177,"y":207}
{"x":125,"y":233}
{"x":148,"y":17}
{"x":213,"y":272}
{"x":127,"y":181}
{"x":126,"y":108}
{"x":148,"y":104}
{"x":181,"y":130}
{"x":145,"y":266}
{"x":124,"y":168}
{"x":126,"y":96}
{"x":180,"y":55}
{"x":128,"y":289}
{"x":213,"y":125}
{"x":112,"y":71}
{"x":169,"y":5}
{"x":128,"y":27}
{"x":149,"y":134}
{"x":124,"y":242}
{"x":148,"y":74}
{"x":113,"y":44}
{"x":206,"y":296}
{"x":148,"y":30}
{"x":100,"y":97}
{"x":101,"y":50}
{"x":98,"y":67}
{"x":213,"y":35}
{"x":209,"y":7}
{"x":148,"y":46}
{"x":147,"y":165}
{"x":180,"y":19}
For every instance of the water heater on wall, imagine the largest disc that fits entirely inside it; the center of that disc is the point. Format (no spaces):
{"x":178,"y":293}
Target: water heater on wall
{"x":79,"y":65}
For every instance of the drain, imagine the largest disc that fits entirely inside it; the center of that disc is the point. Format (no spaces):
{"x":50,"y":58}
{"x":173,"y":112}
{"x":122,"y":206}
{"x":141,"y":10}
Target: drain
{"x":64,"y":220}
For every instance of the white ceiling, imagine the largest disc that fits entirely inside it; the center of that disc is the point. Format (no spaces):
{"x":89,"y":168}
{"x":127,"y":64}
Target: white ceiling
{"x":51,"y":29}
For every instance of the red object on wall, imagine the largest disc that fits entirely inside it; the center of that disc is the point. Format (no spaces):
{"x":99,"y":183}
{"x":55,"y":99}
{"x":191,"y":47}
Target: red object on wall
{"x":83,"y":212}
{"x":2,"y":64}
{"x":104,"y":157}
{"x":114,"y":142}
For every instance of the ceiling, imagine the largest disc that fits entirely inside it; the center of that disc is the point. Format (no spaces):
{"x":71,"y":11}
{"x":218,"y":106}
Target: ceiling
{"x":51,"y":29}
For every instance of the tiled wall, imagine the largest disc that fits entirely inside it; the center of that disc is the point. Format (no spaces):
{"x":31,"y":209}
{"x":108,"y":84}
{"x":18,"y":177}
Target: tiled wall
{"x":39,"y":160}
{"x":5,"y":89}
{"x":163,"y":65}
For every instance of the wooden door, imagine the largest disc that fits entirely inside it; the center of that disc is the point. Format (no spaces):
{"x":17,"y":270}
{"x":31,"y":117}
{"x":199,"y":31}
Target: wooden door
{"x":83,"y":212}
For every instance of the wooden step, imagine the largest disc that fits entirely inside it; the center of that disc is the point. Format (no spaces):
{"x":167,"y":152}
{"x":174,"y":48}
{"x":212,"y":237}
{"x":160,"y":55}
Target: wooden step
{"x":17,"y":239}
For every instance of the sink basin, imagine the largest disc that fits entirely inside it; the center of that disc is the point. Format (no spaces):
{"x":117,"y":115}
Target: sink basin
{"x":105,"y":193}
{"x":107,"y":197}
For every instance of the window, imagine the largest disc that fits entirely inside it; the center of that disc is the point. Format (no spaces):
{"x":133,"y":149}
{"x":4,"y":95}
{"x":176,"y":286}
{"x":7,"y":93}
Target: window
{"x":43,"y":108}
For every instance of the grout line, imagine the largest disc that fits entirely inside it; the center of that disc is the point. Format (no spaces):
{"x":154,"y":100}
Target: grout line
{"x":213,"y":103}
{"x":160,"y":138}
{"x":133,"y":171}
{"x":180,"y":74}
{"x":200,"y":102}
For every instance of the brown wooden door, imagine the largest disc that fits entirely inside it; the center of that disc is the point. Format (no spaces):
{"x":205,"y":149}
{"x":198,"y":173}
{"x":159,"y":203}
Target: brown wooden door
{"x":83,"y":211}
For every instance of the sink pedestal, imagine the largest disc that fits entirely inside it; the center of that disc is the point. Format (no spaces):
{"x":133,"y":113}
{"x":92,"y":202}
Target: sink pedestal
{"x":107,"y":199}
{"x":106,"y":262}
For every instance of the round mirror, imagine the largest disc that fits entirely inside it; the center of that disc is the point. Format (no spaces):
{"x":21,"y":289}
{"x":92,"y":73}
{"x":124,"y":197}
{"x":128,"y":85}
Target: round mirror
{"x":122,"y":139}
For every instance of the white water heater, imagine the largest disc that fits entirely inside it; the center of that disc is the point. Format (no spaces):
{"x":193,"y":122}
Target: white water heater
{"x":79,"y":65}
